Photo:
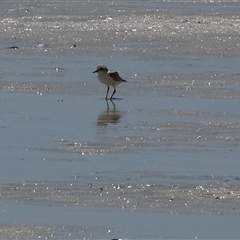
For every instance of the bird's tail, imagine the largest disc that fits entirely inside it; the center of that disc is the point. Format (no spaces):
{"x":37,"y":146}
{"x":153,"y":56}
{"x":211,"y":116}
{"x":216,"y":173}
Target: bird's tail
{"x":123,"y":80}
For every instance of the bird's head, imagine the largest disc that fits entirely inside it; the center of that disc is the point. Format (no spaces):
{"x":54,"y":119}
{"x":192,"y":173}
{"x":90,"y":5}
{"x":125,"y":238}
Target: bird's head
{"x":101,"y":68}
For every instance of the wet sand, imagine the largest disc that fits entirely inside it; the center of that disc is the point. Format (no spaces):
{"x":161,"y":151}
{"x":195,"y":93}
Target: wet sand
{"x":163,"y":157}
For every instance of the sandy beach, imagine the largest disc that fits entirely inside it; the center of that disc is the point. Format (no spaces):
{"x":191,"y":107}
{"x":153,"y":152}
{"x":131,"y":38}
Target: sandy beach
{"x":159,"y":161}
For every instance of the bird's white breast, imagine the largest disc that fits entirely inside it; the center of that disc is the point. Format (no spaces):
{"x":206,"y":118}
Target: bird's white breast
{"x":107,"y":79}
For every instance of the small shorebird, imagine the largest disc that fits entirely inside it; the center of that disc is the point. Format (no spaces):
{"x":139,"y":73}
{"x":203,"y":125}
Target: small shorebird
{"x":109,"y":78}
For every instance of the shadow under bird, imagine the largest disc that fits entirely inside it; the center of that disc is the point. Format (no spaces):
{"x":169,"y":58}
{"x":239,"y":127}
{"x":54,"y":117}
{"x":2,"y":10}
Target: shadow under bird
{"x":109,"y":78}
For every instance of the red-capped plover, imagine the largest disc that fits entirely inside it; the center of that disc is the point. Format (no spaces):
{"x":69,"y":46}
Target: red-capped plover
{"x":109,"y":78}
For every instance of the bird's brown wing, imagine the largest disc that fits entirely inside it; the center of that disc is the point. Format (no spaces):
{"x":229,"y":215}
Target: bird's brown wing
{"x":115,"y":76}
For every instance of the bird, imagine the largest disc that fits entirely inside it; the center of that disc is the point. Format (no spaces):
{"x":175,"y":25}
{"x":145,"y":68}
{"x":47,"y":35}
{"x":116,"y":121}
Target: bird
{"x":109,"y":78}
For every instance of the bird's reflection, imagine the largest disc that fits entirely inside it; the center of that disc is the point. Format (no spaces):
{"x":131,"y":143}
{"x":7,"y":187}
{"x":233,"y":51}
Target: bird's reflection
{"x":110,"y":116}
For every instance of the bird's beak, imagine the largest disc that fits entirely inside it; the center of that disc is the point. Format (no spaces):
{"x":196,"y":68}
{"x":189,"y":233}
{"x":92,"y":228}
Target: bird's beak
{"x":95,"y":71}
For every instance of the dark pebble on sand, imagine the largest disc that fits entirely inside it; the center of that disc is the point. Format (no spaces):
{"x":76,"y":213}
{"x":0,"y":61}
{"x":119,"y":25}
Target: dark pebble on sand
{"x":12,"y":48}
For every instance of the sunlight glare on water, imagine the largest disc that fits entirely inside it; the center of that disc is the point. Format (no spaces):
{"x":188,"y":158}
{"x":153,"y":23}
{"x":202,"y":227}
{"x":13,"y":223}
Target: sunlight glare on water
{"x":165,"y":150}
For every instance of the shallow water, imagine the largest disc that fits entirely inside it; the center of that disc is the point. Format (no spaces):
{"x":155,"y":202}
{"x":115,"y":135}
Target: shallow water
{"x":99,"y":223}
{"x":164,"y":152}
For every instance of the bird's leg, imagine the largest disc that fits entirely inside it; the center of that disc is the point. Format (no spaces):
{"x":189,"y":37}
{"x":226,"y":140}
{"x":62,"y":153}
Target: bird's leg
{"x":113,"y":93}
{"x":107,"y":92}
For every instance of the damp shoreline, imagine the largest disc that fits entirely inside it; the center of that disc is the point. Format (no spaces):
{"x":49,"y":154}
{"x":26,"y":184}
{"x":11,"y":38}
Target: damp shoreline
{"x":163,"y":156}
